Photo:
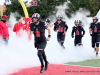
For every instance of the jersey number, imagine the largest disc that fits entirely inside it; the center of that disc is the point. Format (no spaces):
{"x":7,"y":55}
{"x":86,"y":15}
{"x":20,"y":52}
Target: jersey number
{"x":37,"y":34}
{"x":60,"y":29}
{"x":77,"y":32}
{"x":95,"y":29}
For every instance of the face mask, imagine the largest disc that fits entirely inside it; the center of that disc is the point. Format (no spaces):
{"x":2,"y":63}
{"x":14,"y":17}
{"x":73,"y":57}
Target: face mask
{"x":94,"y":22}
{"x":76,"y":25}
{"x":35,"y":21}
{"x":58,"y":19}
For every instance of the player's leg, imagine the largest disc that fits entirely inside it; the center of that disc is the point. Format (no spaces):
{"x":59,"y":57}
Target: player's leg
{"x":40,"y":52}
{"x":42,"y":46}
{"x":62,"y":40}
{"x":44,"y":55}
{"x":41,"y":60}
{"x":75,"y":41}
{"x":45,"y":59}
{"x":93,"y":42}
{"x":58,"y":38}
{"x":80,"y":42}
{"x":97,"y":45}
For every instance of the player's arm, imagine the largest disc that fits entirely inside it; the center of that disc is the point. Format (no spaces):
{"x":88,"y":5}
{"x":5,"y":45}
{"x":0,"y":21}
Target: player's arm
{"x":31,"y":29}
{"x":55,"y":28}
{"x":83,"y":31}
{"x":90,"y":29}
{"x":72,"y":34}
{"x":49,"y":33}
{"x":66,"y":27}
{"x":49,"y":30}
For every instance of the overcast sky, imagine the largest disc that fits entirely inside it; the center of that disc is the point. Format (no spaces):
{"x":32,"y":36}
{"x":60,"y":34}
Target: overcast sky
{"x":2,"y":1}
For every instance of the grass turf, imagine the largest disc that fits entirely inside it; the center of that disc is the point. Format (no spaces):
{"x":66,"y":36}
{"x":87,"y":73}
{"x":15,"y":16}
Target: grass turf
{"x":92,"y":63}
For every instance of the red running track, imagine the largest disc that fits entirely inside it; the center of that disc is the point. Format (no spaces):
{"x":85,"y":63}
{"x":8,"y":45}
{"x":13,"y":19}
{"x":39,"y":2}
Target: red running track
{"x":58,"y":69}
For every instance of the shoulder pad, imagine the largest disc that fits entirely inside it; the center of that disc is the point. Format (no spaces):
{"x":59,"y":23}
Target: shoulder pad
{"x":99,"y":22}
{"x":91,"y":23}
{"x":31,"y":24}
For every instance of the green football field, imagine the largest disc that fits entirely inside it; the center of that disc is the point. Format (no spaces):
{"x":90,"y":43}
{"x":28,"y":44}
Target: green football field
{"x":92,"y":63}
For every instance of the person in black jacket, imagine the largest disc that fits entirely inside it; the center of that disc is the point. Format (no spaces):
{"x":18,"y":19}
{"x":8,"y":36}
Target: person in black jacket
{"x":78,"y":33}
{"x":61,"y":28}
{"x":94,"y":31}
{"x":37,"y":28}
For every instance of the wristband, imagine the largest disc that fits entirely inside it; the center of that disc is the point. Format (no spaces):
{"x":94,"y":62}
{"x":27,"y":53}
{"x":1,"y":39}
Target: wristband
{"x":49,"y":35}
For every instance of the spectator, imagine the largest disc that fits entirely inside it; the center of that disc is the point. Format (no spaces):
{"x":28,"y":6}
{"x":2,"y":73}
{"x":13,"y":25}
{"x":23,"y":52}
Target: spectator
{"x":19,"y":27}
{"x":4,"y":33}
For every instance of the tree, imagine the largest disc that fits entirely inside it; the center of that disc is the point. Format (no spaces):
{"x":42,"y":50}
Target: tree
{"x":91,"y":5}
{"x":44,"y":8}
{"x":4,"y":10}
{"x":15,"y":6}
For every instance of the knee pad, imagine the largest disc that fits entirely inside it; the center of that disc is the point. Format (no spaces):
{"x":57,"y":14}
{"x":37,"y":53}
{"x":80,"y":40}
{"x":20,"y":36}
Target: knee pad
{"x":97,"y":44}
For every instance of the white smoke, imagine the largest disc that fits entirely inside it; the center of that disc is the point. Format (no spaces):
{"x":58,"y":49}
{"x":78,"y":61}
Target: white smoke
{"x":12,"y":19}
{"x":98,"y":15}
{"x":20,"y":53}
